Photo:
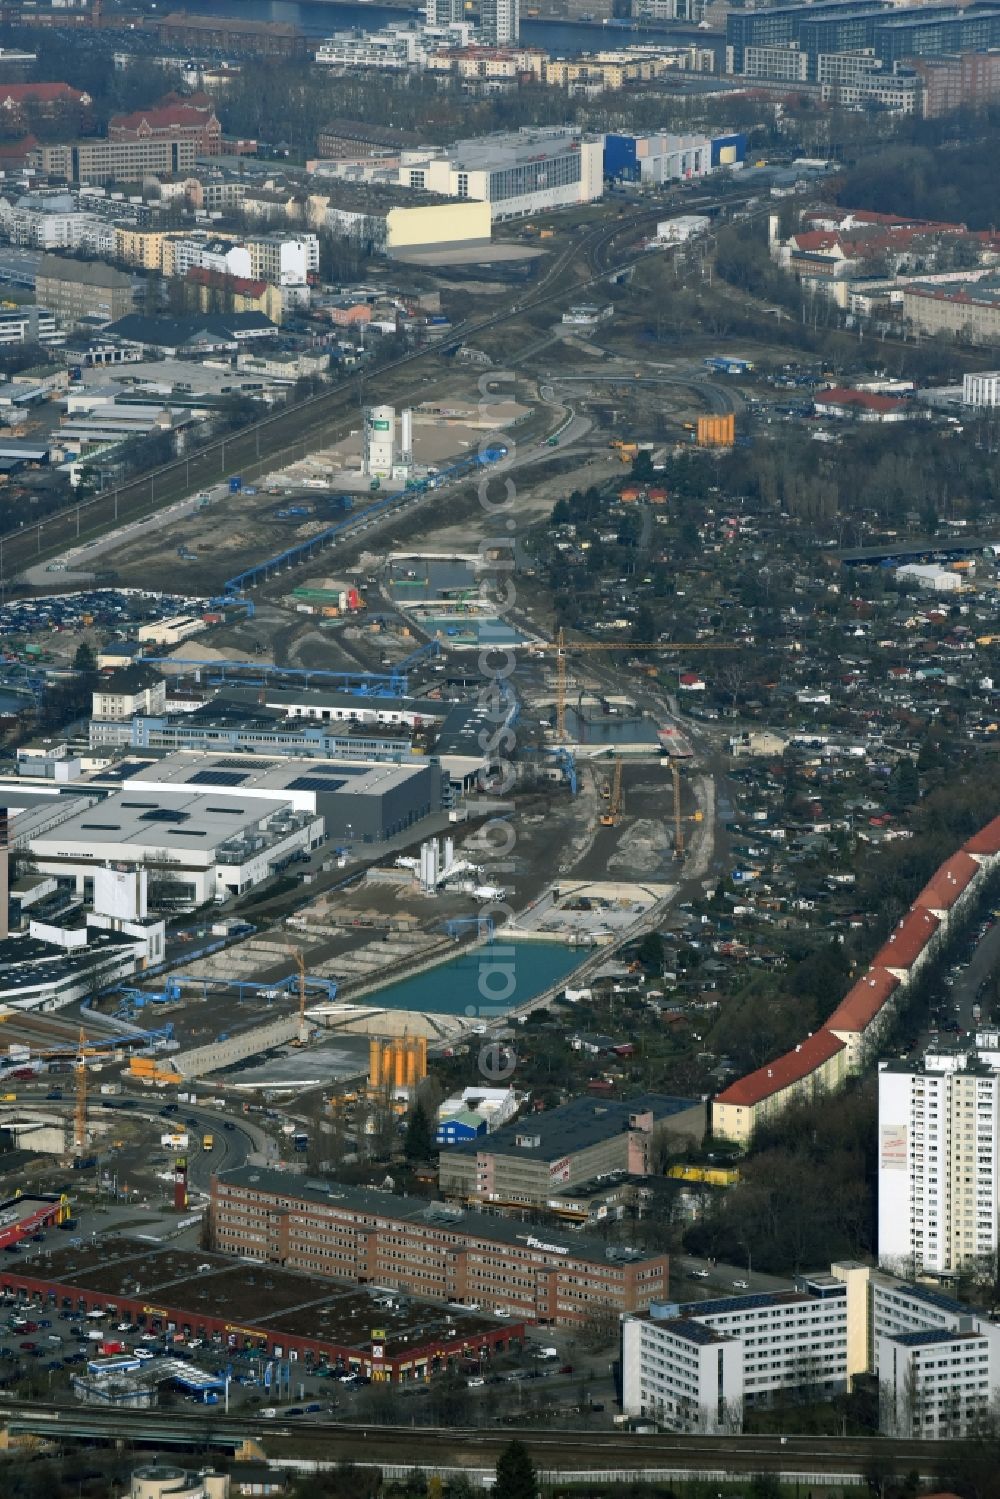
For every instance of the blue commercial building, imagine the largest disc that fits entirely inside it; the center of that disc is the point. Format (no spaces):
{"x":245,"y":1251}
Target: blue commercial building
{"x":670,"y":158}
{"x":457,"y":1128}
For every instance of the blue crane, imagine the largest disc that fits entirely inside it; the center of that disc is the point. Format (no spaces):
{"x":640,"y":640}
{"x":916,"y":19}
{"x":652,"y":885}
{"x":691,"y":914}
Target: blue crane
{"x":485,"y":926}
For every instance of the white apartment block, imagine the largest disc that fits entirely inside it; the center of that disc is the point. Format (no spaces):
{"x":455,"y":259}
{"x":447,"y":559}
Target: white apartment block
{"x":697,"y":1367}
{"x":982,"y":389}
{"x":196,"y":253}
{"x":938,"y":1187}
{"x":22,"y":325}
{"x":683,"y":1374}
{"x":500,"y":22}
{"x":937,"y":1383}
{"x":525,"y":172}
{"x":394,"y":48}
{"x":783,"y":62}
{"x":55,"y":225}
{"x":284,"y":261}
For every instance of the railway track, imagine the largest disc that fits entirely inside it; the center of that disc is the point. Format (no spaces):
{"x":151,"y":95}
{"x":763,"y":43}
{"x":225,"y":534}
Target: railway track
{"x":406,"y":1446}
{"x":253,"y":450}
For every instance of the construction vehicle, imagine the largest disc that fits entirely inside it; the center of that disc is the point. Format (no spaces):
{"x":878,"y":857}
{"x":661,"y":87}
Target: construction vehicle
{"x":627,"y":451}
{"x":208,"y":1142}
{"x":562,"y":649}
{"x":611,"y":816}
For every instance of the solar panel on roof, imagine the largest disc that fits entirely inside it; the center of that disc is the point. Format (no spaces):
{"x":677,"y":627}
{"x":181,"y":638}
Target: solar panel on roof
{"x":244,"y":766}
{"x":128,"y":768}
{"x":316,"y":783}
{"x":164,"y":814}
{"x":218,"y":778}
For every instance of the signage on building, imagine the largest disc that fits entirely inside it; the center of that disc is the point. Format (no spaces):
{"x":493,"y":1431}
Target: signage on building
{"x":894,"y":1147}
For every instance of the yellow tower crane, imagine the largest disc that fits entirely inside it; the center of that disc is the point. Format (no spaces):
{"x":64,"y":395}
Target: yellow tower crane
{"x":80,"y":1111}
{"x":300,"y":963}
{"x":679,"y":819}
{"x":563,"y":648}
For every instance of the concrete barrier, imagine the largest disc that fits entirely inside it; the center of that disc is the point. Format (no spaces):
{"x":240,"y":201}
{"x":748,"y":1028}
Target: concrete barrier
{"x":202,"y":1060}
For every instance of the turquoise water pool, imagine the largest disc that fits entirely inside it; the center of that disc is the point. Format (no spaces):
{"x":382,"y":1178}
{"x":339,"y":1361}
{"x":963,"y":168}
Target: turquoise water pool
{"x":483,"y":982}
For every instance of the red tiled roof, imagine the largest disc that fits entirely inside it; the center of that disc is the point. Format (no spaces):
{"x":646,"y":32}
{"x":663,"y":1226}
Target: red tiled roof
{"x":817,"y":240}
{"x":946,"y":885}
{"x":840,"y":395}
{"x":783,"y":1071}
{"x":160,"y":116}
{"x":242,"y":285}
{"x":19,"y":93}
{"x":17,"y":150}
{"x":862,"y":1003}
{"x":986,"y":841}
{"x":908,"y":941}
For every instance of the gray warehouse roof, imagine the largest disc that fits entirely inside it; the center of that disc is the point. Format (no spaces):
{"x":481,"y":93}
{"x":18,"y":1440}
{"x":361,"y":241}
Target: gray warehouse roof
{"x":82,"y":272}
{"x":169,"y":818}
{"x":252,"y":775}
{"x":573,"y":1126}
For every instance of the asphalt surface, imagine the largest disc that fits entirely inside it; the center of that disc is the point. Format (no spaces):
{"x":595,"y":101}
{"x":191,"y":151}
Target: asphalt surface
{"x":965,"y":991}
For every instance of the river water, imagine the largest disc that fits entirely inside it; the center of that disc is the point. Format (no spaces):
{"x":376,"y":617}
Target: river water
{"x":560,"y":38}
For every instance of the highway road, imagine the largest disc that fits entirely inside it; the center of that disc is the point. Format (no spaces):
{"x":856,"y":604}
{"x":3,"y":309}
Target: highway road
{"x":232,"y":1146}
{"x":807,"y":1458}
{"x":985,"y":961}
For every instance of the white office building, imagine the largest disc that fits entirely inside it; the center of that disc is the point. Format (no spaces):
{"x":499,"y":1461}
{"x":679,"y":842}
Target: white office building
{"x":982,"y":389}
{"x":205,"y":846}
{"x":695,"y":1367}
{"x":523,"y":172}
{"x":938,"y":1188}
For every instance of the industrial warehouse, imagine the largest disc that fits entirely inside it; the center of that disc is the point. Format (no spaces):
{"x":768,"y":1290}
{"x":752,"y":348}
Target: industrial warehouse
{"x":206,"y":849}
{"x":208,"y":1296}
{"x":215,"y":825}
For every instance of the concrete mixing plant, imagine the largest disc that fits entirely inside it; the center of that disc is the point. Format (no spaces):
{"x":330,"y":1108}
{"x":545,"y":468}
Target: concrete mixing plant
{"x":379,"y":452}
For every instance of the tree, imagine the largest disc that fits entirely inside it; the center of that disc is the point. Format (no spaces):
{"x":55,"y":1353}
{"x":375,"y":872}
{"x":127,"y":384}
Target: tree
{"x":419,"y":1142}
{"x":85,"y":660}
{"x":599,"y":1327}
{"x":644,"y":628}
{"x":516,"y":1477}
{"x":904,"y":785}
{"x":650,"y":952}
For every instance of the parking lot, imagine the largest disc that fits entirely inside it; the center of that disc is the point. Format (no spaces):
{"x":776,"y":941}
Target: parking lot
{"x":105,"y":608}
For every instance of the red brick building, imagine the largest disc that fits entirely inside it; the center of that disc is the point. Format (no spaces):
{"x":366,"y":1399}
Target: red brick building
{"x":241,"y":38}
{"x":172,"y":119}
{"x":428,"y":1249}
{"x":965,"y":80}
{"x":30,"y":104}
